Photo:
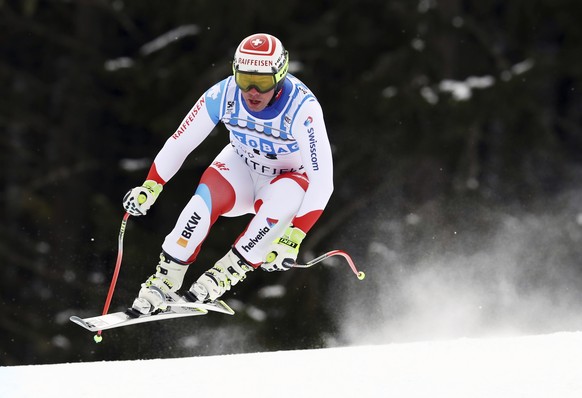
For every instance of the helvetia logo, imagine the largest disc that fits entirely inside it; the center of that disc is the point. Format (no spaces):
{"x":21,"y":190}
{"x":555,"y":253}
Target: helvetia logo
{"x":253,"y":241}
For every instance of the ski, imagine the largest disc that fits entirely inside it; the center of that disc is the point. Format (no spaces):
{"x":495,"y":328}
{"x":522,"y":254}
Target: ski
{"x":176,"y":309}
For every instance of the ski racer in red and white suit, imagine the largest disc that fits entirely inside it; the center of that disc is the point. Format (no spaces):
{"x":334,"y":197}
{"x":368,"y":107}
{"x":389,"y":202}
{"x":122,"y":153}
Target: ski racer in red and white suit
{"x":278,"y":166}
{"x":286,"y":143}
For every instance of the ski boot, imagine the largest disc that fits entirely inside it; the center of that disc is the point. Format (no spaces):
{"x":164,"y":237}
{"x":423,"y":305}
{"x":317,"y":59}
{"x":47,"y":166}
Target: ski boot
{"x":227,"y":272}
{"x":168,"y":278}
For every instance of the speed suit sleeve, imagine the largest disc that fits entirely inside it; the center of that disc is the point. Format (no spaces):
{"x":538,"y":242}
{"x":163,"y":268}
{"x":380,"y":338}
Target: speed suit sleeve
{"x":194,"y":129}
{"x":311,"y":135}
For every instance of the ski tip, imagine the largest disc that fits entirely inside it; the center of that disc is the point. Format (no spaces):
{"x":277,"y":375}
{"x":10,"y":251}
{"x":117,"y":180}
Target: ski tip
{"x":77,"y":320}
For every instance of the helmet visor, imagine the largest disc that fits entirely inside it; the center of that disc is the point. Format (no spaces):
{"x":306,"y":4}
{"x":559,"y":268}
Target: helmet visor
{"x":262,"y":82}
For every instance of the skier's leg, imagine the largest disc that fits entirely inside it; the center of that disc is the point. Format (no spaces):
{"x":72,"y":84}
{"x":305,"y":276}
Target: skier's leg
{"x":225,"y":187}
{"x":277,"y":204}
{"x":278,"y":201}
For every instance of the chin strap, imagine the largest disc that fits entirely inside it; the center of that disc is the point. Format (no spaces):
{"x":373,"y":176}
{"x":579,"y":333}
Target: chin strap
{"x":278,"y":92}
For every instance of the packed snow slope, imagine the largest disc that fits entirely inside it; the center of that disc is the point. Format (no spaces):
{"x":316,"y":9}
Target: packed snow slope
{"x":531,"y":366}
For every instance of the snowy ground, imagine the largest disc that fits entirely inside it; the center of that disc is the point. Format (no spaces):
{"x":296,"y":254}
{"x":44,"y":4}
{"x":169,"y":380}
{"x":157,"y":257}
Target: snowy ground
{"x":532,"y":367}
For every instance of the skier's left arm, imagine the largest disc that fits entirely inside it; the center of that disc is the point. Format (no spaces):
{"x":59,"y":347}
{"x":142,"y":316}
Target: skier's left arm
{"x":311,"y":136}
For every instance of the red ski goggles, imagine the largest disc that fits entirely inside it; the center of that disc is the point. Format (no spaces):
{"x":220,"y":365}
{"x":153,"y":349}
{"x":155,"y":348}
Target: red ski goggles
{"x":262,"y":82}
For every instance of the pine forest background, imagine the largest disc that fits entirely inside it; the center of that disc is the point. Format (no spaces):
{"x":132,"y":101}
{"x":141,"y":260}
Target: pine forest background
{"x":457,"y":135}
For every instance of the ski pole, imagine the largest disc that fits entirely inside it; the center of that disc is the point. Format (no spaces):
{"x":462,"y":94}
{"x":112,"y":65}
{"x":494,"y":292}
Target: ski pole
{"x":345,"y":255}
{"x":98,"y":338}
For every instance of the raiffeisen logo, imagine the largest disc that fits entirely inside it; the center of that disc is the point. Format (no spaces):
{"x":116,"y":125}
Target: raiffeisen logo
{"x":254,"y":62}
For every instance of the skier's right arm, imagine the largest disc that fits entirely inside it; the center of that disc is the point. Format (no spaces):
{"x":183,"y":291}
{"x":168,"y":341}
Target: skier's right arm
{"x":194,"y":129}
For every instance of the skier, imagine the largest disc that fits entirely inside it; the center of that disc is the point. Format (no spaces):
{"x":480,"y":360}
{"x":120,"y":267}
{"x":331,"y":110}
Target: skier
{"x":277,"y":166}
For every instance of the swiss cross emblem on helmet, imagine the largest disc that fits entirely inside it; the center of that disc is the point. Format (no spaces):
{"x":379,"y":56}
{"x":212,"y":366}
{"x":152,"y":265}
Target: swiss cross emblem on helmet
{"x":259,"y":44}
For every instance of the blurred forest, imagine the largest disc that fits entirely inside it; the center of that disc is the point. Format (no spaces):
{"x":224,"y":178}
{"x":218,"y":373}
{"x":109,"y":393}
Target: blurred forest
{"x":448,"y":119}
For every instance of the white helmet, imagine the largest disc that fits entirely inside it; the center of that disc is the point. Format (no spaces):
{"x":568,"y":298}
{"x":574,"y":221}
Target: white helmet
{"x":260,"y":54}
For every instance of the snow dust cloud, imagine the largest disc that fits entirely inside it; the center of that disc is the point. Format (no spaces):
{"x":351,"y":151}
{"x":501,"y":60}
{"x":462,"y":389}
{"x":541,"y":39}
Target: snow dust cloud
{"x":488,"y":273}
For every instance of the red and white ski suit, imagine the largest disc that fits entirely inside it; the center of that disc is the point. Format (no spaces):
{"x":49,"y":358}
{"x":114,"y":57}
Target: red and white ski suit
{"x":278,"y":166}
